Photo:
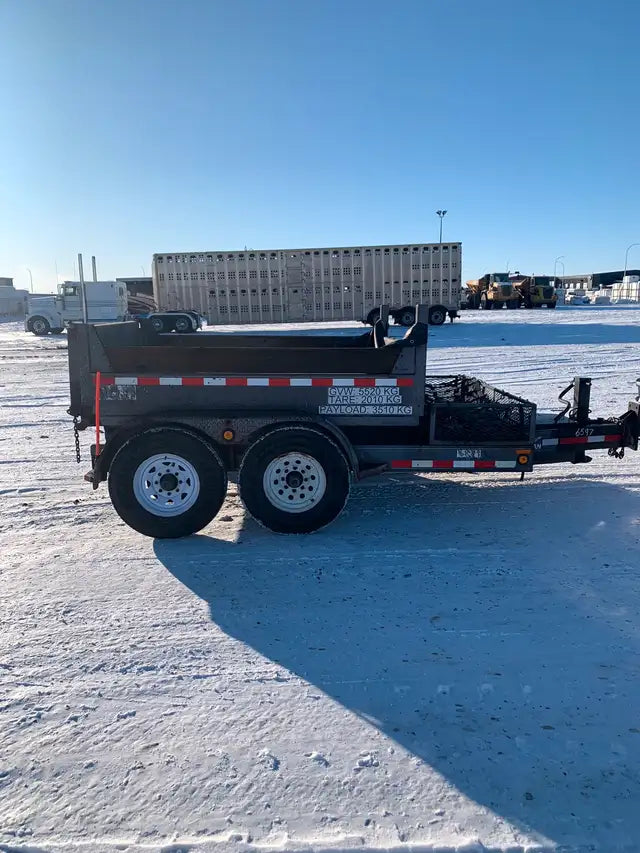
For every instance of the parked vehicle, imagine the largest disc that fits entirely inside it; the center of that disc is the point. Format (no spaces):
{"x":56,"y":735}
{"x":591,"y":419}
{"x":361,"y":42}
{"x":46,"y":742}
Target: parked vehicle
{"x":314,"y":284}
{"x":536,"y":291}
{"x":299,"y":418}
{"x":493,"y":290}
{"x":577,"y":297}
{"x":107,"y":302}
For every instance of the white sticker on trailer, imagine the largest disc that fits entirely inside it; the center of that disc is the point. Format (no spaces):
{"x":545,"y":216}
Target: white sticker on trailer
{"x":365,"y":410}
{"x":378,"y":400}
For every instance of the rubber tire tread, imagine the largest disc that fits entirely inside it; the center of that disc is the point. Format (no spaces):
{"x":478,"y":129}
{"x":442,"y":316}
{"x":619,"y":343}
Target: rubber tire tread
{"x":40,"y":334}
{"x":276,"y":443}
{"x":204,"y":458}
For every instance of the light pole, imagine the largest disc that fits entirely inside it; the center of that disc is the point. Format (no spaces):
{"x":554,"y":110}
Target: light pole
{"x":626,"y":258}
{"x":441,"y":214}
{"x":555,"y":267}
{"x":30,"y":279}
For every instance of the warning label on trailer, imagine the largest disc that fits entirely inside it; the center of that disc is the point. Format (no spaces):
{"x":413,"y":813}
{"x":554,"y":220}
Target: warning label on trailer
{"x":364,"y":401}
{"x":118,"y":392}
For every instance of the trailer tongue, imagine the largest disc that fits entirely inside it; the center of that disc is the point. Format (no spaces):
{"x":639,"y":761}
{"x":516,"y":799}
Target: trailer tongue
{"x":299,"y":417}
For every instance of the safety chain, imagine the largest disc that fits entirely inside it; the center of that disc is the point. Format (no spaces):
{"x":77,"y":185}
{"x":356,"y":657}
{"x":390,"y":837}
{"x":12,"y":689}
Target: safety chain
{"x":76,"y":435}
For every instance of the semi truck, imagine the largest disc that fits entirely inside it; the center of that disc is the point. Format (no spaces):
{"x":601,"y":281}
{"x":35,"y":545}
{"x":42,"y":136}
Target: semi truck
{"x":536,"y":291}
{"x":493,"y":290}
{"x":312,"y":284}
{"x":298,"y":418}
{"x":107,"y":302}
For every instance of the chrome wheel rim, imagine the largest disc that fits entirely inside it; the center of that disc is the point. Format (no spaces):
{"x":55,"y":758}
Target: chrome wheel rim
{"x":166,"y":485}
{"x":294,"y":482}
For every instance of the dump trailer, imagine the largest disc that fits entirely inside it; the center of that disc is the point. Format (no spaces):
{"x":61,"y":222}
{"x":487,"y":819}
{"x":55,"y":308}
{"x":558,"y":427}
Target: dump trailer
{"x":535,"y":291}
{"x":493,"y":290}
{"x":312,"y":285}
{"x":299,"y":418}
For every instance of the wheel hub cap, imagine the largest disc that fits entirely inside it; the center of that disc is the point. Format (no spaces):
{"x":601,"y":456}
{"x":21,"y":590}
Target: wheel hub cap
{"x":166,"y":484}
{"x":294,"y":482}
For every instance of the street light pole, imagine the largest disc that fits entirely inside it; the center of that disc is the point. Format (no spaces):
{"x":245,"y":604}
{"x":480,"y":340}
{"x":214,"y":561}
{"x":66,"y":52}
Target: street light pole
{"x":555,"y":267}
{"x":441,"y":214}
{"x":626,"y":258}
{"x":30,"y":279}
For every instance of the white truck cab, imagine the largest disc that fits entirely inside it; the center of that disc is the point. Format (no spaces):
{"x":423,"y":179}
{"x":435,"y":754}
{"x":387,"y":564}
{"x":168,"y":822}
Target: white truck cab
{"x":106,"y":302}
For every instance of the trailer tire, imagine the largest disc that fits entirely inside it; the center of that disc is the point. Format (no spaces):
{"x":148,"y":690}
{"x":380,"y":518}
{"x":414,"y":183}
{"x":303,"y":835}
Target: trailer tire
{"x":39,"y":326}
{"x":144,"y":479}
{"x":183,"y":324}
{"x":437,"y":315}
{"x":273,"y":473}
{"x":551,"y":304}
{"x":406,"y":316}
{"x":159,"y":325}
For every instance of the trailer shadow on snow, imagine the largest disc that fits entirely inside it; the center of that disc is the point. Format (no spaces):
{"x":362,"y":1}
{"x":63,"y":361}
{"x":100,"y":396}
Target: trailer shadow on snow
{"x":490,"y":630}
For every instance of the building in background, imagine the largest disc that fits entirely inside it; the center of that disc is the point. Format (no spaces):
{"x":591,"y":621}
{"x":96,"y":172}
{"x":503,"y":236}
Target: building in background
{"x":13,"y":303}
{"x":592,"y":281}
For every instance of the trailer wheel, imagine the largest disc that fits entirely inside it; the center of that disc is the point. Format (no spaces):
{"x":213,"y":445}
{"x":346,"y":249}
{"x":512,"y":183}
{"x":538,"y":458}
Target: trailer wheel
{"x":551,"y":304}
{"x":39,"y":326}
{"x":294,"y":480}
{"x":406,"y":316}
{"x":167,"y":483}
{"x":159,"y":324}
{"x":437,"y":315}
{"x":183,"y":324}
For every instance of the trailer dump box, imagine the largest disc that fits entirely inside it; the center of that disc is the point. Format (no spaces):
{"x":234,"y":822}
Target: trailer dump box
{"x":299,"y":417}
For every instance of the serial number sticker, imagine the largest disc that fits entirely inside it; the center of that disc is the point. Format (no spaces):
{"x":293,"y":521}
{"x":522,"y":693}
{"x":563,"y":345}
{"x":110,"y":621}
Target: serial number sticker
{"x":380,"y":400}
{"x":469,"y":453}
{"x":119,"y":392}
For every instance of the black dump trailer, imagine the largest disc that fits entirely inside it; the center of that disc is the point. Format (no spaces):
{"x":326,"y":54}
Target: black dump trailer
{"x":299,"y":418}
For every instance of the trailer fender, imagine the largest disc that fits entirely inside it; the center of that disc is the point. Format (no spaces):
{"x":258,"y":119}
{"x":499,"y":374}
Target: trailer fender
{"x":322,"y":425}
{"x":102,"y":463}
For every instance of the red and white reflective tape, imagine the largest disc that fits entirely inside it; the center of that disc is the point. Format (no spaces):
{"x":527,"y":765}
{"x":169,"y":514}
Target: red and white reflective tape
{"x":264,"y":381}
{"x":581,"y":439}
{"x":476,"y":464}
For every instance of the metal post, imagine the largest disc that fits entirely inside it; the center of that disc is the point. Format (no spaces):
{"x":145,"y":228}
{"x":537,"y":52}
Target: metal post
{"x":83,"y":290}
{"x":555,"y":267}
{"x":626,"y":258}
{"x":30,"y":279}
{"x":93,"y":265}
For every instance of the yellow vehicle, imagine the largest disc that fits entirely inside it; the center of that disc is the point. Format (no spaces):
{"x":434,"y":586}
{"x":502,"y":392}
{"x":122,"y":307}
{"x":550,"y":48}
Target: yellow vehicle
{"x":535,"y":290}
{"x":493,"y":290}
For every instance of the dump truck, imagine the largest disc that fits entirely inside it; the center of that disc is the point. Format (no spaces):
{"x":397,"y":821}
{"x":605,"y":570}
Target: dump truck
{"x":314,"y":284}
{"x":493,"y":290}
{"x":535,"y":291}
{"x":298,"y":419}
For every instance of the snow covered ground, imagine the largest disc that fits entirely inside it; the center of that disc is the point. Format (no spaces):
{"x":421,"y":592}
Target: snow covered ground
{"x":455,"y":662}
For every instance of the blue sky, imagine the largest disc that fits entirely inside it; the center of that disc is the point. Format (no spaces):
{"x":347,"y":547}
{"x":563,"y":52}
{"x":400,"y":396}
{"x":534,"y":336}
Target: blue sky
{"x":138,"y":126}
